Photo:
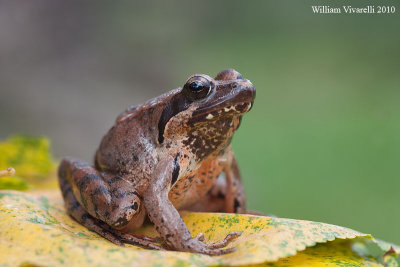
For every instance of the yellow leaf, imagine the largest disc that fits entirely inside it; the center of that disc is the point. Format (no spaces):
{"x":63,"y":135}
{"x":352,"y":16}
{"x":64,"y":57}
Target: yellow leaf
{"x":32,"y":160}
{"x":336,"y":253}
{"x":35,"y":229}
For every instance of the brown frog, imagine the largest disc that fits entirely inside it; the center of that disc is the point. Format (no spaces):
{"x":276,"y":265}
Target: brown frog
{"x":160,"y":157}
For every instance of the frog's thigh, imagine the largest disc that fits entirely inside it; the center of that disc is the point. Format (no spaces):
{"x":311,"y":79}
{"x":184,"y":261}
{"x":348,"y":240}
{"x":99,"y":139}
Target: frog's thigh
{"x":224,"y":196}
{"x":214,"y":200}
{"x":235,"y":200}
{"x":76,"y":211}
{"x":113,"y":201}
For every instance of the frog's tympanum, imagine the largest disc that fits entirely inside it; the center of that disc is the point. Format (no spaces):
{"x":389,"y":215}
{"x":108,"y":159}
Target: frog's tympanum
{"x":160,"y":157}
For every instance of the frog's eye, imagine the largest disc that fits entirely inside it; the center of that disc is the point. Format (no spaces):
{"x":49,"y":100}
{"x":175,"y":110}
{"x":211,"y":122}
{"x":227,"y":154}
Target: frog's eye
{"x":197,"y":88}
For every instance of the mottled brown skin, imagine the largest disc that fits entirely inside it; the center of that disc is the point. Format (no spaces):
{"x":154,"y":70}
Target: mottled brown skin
{"x":160,"y":157}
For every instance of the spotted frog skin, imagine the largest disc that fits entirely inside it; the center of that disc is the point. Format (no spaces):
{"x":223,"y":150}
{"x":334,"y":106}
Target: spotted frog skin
{"x":160,"y":157}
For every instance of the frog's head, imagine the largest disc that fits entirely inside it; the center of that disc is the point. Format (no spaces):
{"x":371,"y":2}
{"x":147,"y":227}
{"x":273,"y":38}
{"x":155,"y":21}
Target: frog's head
{"x":226,"y":95}
{"x":207,"y":103}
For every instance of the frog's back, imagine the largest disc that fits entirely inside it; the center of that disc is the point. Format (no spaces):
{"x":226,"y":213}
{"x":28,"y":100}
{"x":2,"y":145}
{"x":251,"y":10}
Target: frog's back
{"x":128,"y":148}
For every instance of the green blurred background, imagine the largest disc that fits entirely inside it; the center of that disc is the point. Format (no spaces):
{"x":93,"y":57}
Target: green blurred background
{"x":323,"y":139}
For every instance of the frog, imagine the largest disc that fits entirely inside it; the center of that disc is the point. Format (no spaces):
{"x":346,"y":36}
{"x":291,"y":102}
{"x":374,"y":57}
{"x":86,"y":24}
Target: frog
{"x":171,"y":154}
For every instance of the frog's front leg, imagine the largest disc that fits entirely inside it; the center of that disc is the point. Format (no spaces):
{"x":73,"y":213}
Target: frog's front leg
{"x":103,"y":206}
{"x":167,"y":220}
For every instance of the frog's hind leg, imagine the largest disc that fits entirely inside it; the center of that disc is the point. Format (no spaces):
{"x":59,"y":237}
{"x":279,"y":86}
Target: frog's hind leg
{"x":73,"y":173}
{"x":80,"y":215}
{"x":215,"y":201}
{"x":227,"y":194}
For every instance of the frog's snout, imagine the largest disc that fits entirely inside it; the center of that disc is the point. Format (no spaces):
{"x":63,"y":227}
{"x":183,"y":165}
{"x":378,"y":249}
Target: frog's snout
{"x":246,"y":92}
{"x":228,"y":74}
{"x":253,"y":92}
{"x":244,"y":88}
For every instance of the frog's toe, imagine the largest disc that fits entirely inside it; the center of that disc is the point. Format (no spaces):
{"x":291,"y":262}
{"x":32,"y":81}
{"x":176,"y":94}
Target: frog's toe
{"x":223,"y":243}
{"x":218,"y":252}
{"x":139,"y":240}
{"x":157,"y":239}
{"x":141,"y":243}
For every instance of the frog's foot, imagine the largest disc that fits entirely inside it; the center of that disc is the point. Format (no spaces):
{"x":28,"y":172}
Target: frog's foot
{"x":138,"y":240}
{"x":214,"y":249}
{"x":223,"y":243}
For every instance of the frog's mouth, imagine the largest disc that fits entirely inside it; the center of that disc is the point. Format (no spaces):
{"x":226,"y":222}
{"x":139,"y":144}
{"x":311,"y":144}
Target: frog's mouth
{"x":218,"y":112}
{"x":228,"y":99}
{"x":238,"y":108}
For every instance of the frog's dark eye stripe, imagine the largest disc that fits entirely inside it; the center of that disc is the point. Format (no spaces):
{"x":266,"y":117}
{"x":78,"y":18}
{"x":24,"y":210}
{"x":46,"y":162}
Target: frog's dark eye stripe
{"x":177,"y":104}
{"x":197,"y":88}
